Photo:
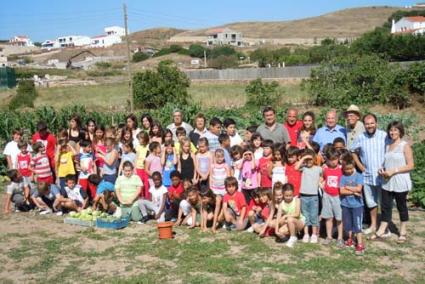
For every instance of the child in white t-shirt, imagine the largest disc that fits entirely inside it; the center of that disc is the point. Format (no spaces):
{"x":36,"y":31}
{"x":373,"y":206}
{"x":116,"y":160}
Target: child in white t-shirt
{"x":157,"y":205}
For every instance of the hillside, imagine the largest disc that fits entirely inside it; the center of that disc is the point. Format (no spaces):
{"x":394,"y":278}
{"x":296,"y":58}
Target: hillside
{"x":153,"y":37}
{"x":340,"y":24}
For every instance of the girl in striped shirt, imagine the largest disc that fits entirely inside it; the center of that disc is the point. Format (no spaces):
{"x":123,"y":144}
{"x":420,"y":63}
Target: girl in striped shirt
{"x":40,"y":164}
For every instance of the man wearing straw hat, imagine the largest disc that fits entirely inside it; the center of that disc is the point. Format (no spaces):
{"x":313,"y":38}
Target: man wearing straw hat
{"x":354,"y":126}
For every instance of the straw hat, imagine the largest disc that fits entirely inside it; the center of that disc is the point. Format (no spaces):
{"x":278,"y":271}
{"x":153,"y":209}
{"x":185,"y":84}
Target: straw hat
{"x":353,"y":109}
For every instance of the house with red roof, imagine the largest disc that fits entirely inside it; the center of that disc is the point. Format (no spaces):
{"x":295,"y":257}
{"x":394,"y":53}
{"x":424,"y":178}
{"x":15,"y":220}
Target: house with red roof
{"x":409,"y":25}
{"x":224,"y":36}
{"x":21,"y":40}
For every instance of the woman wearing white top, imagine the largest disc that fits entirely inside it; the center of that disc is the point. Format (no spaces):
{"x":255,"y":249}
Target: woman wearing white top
{"x":398,"y":163}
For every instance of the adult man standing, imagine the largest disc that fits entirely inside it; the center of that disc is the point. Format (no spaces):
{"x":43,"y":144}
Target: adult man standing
{"x":293,"y":125}
{"x":272,"y":130}
{"x":49,"y":141}
{"x":354,"y":126}
{"x":368,"y":152}
{"x":177,"y":122}
{"x":330,"y":131}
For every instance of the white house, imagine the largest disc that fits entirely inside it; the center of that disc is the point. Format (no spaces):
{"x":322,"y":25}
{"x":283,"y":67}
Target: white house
{"x":409,"y":25}
{"x":73,"y":41}
{"x":21,"y":40}
{"x":115,"y":30}
{"x":224,"y":36}
{"x":105,"y":40}
{"x":48,"y":44}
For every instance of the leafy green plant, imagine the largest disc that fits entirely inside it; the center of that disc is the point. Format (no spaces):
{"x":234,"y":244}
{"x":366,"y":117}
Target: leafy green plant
{"x":103,"y":65}
{"x":417,"y":194}
{"x":262,"y":94}
{"x":25,"y":95}
{"x":139,"y":56}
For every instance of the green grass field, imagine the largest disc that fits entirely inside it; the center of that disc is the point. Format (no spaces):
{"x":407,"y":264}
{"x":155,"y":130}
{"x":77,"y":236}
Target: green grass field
{"x":114,"y":96}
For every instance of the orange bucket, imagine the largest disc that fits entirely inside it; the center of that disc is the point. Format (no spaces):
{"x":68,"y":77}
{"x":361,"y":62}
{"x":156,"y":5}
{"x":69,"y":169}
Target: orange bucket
{"x":165,"y":230}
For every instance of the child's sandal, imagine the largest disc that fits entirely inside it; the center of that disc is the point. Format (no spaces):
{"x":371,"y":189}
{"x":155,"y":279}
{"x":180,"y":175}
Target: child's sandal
{"x":402,"y":239}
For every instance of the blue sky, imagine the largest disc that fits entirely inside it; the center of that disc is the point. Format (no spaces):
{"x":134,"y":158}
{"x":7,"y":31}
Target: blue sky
{"x":43,"y":19}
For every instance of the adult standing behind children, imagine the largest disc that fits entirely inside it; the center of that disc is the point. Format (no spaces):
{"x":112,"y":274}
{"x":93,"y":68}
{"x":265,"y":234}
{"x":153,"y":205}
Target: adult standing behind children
{"x":293,"y":125}
{"x":398,"y":163}
{"x":48,"y":139}
{"x":177,"y":122}
{"x":330,"y":131}
{"x":272,"y":130}
{"x":368,"y":152}
{"x":200,"y":128}
{"x":11,"y":150}
{"x":354,"y":126}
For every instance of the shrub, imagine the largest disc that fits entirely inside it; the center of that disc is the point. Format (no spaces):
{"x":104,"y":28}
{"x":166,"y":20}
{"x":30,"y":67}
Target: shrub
{"x":416,"y":78}
{"x":262,"y":94}
{"x":153,"y":89}
{"x":223,"y":62}
{"x":358,"y":80}
{"x":417,"y":194}
{"x":139,"y":56}
{"x":25,"y":95}
{"x":196,"y":50}
{"x":103,"y":65}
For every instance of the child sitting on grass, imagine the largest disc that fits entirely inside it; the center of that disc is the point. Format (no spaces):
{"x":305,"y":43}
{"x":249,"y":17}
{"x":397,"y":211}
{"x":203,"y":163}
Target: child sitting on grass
{"x":189,"y":209}
{"x":175,"y":195}
{"x":17,"y":193}
{"x":157,"y":205}
{"x":352,"y":203}
{"x":45,"y":197}
{"x":105,"y":194}
{"x":267,"y":229}
{"x":128,"y":188}
{"x":208,"y":206}
{"x":234,"y":206}
{"x":258,"y":208}
{"x":289,"y":220}
{"x":74,"y":199}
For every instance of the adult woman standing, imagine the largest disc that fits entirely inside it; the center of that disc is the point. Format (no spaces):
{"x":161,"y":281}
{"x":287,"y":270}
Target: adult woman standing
{"x":398,"y":163}
{"x":307,"y":131}
{"x":90,"y":129}
{"x":131,"y":123}
{"x":146,"y":120}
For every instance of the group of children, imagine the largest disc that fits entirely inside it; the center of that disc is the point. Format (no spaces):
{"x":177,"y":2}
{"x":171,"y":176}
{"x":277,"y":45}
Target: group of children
{"x":222,"y":182}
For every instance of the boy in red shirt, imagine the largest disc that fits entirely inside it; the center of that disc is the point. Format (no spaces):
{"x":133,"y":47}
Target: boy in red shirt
{"x":293,"y":175}
{"x":23,"y":160}
{"x":331,"y":203}
{"x":234,"y":205}
{"x":265,"y":164}
{"x":175,"y":195}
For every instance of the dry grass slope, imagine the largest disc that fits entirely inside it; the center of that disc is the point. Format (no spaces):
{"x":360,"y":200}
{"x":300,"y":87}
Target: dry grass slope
{"x":344,"y":23}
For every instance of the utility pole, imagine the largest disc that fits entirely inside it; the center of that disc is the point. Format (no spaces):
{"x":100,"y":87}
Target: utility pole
{"x":130,"y":83}
{"x":205,"y":58}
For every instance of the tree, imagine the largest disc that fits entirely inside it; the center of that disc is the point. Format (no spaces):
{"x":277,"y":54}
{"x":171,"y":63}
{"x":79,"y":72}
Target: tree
{"x":25,"y":95}
{"x":262,"y":94}
{"x":154,"y":89}
{"x":196,"y":50}
{"x":223,"y":62}
{"x":139,"y":56}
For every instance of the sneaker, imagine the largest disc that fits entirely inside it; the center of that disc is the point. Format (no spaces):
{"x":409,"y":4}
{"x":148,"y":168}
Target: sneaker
{"x":306,"y":238}
{"x":349,"y":243}
{"x":313,"y":239}
{"x":231,"y":227}
{"x":143,"y":220}
{"x":46,"y":211}
{"x":250,"y":230}
{"x":386,"y":235}
{"x":17,"y":210}
{"x":368,"y":231}
{"x":291,"y":242}
{"x":281,"y":240}
{"x":360,"y":249}
{"x":340,"y":243}
{"x":59,"y":213}
{"x":327,"y":242}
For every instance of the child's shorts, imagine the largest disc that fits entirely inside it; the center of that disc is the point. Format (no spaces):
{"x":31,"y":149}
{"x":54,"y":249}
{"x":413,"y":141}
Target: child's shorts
{"x":219,"y":191}
{"x":331,"y":207}
{"x":352,"y":218}
{"x":310,"y":209}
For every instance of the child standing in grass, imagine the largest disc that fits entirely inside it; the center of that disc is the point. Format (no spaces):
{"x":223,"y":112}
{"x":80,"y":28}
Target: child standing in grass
{"x":141,"y":154}
{"x":203,"y":161}
{"x":310,"y":181}
{"x":265,"y":165}
{"x":293,"y":175}
{"x":234,"y":206}
{"x":168,"y":162}
{"x":128,"y":154}
{"x":64,"y":162}
{"x":278,"y":172}
{"x":186,"y":161}
{"x":153,"y":161}
{"x":110,"y":158}
{"x":23,"y":160}
{"x":40,"y":164}
{"x":87,"y":167}
{"x":249,"y":172}
{"x":256,"y":143}
{"x":236,"y":152}
{"x":289,"y":220}
{"x":352,"y":203}
{"x":230,"y":127}
{"x":99,"y":147}
{"x":331,"y":208}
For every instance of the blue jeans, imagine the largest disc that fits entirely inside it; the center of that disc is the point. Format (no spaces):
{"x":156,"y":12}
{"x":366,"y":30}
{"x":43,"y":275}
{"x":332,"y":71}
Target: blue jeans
{"x":310,"y":209}
{"x":352,"y":218}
